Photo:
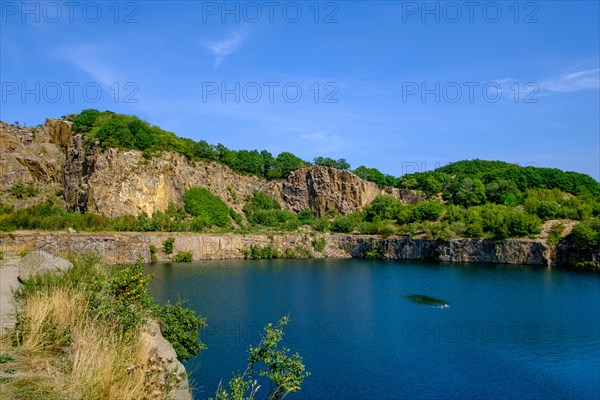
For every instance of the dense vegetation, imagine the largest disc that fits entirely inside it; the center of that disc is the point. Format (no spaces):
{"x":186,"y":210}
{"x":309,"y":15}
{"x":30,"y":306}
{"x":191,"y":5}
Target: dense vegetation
{"x":86,"y":327}
{"x":108,"y":129}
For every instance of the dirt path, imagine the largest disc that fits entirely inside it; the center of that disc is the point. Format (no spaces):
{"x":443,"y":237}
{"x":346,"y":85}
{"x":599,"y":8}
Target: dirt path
{"x":8,"y":279}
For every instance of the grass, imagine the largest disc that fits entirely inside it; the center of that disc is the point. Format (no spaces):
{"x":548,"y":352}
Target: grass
{"x":80,"y":335}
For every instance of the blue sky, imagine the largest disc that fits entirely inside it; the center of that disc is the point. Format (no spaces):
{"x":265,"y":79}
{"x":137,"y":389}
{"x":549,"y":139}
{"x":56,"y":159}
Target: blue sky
{"x":400,"y":86}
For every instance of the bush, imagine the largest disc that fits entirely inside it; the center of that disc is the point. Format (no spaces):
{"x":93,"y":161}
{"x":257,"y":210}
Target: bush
{"x":203,"y":204}
{"x":383,"y":207}
{"x":262,"y":209}
{"x":286,"y":372}
{"x":555,"y":234}
{"x":168,"y":245}
{"x":152,"y":253}
{"x":183,"y":256}
{"x":321,"y":224}
{"x":319,"y":244}
{"x":21,"y":191}
{"x":429,"y":211}
{"x":522,"y":224}
{"x":180,"y":326}
{"x":343,"y":224}
{"x":586,"y":235}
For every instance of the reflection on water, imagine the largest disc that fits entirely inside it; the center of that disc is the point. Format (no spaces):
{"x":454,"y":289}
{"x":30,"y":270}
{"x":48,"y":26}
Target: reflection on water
{"x":510,"y":331}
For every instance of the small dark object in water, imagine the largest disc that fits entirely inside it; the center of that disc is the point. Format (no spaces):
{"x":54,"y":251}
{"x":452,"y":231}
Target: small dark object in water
{"x":426,"y":300}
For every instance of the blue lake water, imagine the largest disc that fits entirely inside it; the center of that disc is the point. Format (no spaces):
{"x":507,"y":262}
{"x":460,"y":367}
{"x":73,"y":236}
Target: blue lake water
{"x":509,"y":331}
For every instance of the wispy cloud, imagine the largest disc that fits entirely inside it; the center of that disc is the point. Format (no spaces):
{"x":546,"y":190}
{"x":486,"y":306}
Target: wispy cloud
{"x":92,"y":60}
{"x":573,"y":81}
{"x":225,"y":47}
{"x":321,"y":140}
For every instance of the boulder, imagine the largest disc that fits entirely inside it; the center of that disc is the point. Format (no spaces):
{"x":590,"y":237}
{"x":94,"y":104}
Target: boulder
{"x":163,"y":350}
{"x":39,"y":262}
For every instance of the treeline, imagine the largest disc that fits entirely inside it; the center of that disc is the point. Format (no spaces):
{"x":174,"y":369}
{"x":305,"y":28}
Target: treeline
{"x":127,"y":132}
{"x":436,"y":219}
{"x":465,"y":183}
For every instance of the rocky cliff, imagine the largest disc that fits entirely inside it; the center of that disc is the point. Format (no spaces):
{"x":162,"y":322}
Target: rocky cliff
{"x":131,"y":247}
{"x":58,"y":163}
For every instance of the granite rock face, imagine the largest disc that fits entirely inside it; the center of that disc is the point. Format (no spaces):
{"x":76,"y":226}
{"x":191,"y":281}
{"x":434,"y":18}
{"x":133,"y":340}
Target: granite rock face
{"x":114,"y":182}
{"x":28,"y":156}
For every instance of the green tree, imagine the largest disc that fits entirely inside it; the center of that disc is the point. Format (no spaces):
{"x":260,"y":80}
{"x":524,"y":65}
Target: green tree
{"x":285,"y":372}
{"x":586,"y":234}
{"x":200,"y":202}
{"x":286,"y":163}
{"x":470,"y":192}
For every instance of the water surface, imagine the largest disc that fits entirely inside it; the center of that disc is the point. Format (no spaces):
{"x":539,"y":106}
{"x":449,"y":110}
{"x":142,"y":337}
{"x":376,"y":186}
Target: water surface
{"x":509,"y":331}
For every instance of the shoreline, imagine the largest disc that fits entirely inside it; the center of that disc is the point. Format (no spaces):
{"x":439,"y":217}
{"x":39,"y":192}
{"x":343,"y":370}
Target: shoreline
{"x":130,"y":247}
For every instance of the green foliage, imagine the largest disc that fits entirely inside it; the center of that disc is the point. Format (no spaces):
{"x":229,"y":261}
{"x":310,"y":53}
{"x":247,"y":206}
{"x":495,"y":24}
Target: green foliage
{"x":585,"y":265}
{"x":124,"y":298}
{"x":183,"y":256}
{"x":180,"y":326}
{"x":109,"y":129}
{"x":343,"y":224}
{"x":118,"y":296}
{"x":4,"y":358}
{"x":206,"y":207}
{"x":285,"y":164}
{"x":153,"y":253}
{"x":285,"y":372}
{"x":168,"y":245}
{"x":21,"y":191}
{"x":470,"y":192}
{"x":586,"y":234}
{"x":331,"y":163}
{"x":374,"y":175}
{"x":555,"y":233}
{"x":428,"y":211}
{"x":383,"y":207}
{"x":321,"y":224}
{"x":319,"y":244}
{"x":262,"y":209}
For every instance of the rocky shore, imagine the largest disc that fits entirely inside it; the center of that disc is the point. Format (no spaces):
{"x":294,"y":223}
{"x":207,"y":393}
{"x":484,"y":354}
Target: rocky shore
{"x":120,"y":248}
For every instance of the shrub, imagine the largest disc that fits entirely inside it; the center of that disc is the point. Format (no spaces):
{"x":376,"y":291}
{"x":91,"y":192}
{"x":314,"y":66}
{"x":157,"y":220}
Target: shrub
{"x":168,"y":245}
{"x":183,"y":256}
{"x":383,"y":207}
{"x":586,"y":234}
{"x":152,"y":253}
{"x":343,"y":224}
{"x":262,"y":209}
{"x":429,"y":211}
{"x":319,"y":244}
{"x":321,"y":224}
{"x":21,"y":191}
{"x":180,"y":326}
{"x":202,"y":203}
{"x":555,"y":233}
{"x":522,"y":224}
{"x":286,"y":372}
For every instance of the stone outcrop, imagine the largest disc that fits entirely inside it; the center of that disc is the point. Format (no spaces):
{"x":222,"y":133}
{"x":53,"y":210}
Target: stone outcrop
{"x":39,"y":262}
{"x":161,"y":349}
{"x":114,"y":182}
{"x":511,"y":251}
{"x":28,"y":156}
{"x":321,"y":189}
